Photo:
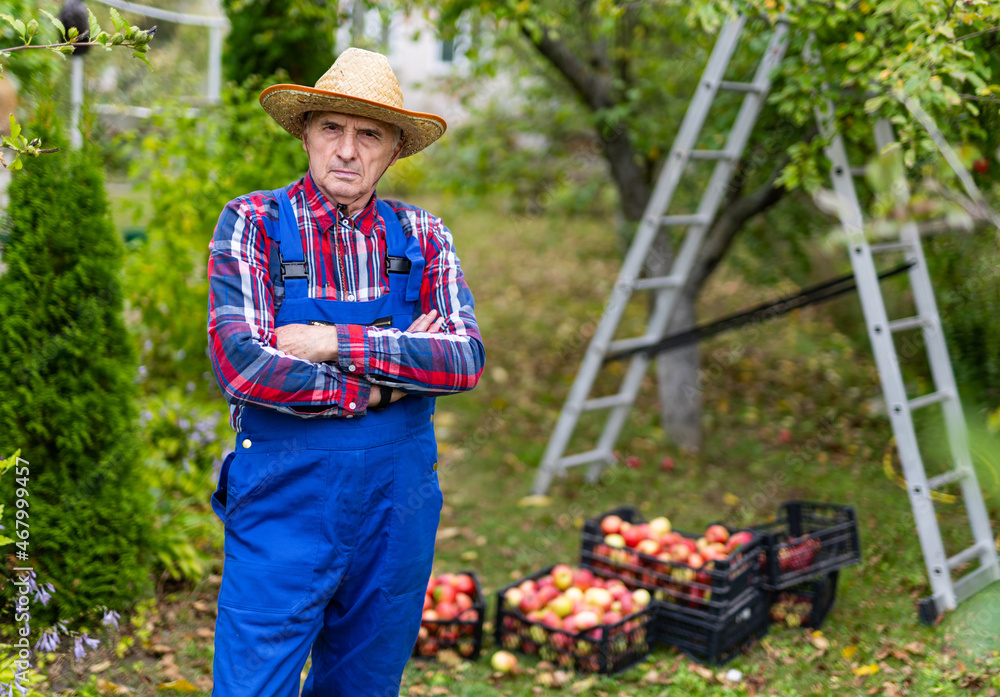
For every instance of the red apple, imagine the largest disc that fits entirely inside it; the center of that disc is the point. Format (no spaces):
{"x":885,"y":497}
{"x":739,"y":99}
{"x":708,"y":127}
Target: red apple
{"x":648,"y":547}
{"x":429,"y":616}
{"x":446,"y":612}
{"x":513,"y":597}
{"x":583,"y":579}
{"x":431,"y":583}
{"x":552,"y":619}
{"x":528,"y":586}
{"x":614,"y":541}
{"x":445,"y":594}
{"x":611,"y":524}
{"x":633,"y":462}
{"x":463,"y":601}
{"x":667,"y":464}
{"x":737,"y":540}
{"x":529,"y":602}
{"x":680,"y":552}
{"x":695,"y":561}
{"x":463,"y":583}
{"x":546,"y":594}
{"x":716,"y":533}
{"x":599,"y":597}
{"x":785,"y":436}
{"x":641,"y":597}
{"x":562,"y":576}
{"x":611,"y":618}
{"x":982,"y":165}
{"x":585,"y":620}
{"x":632,"y":536}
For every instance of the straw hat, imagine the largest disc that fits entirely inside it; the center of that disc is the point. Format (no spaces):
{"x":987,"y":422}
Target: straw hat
{"x":360,"y":83}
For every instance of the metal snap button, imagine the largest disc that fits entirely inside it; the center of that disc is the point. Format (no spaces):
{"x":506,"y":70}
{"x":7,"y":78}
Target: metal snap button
{"x":247,"y":443}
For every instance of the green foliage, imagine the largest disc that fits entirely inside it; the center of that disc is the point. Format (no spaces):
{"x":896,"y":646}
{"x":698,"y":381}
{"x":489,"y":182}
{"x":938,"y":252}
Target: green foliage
{"x":193,"y":168}
{"x":966,"y":270}
{"x":184,"y":452}
{"x":66,"y":371}
{"x":271,"y":35}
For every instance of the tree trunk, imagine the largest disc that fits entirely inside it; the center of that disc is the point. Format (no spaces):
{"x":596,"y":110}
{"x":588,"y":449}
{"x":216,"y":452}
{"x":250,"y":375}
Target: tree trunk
{"x":677,"y":381}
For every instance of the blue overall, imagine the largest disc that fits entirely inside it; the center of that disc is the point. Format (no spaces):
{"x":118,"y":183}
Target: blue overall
{"x":330,"y":522}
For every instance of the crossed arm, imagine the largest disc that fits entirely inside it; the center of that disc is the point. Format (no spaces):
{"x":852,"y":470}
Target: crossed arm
{"x":318,"y":344}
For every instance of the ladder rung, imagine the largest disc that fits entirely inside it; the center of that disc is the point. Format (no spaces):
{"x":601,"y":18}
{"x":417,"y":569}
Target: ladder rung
{"x":974,"y":581}
{"x":740,"y":86}
{"x":891,"y":247}
{"x":928,"y":399}
{"x":964,"y":556}
{"x":712,"y":155}
{"x":629,"y":344}
{"x":584,"y":458}
{"x":900,"y":325}
{"x":693,"y":219}
{"x":858,"y":171}
{"x":614,"y":400}
{"x":658,"y":282}
{"x":935,"y":483}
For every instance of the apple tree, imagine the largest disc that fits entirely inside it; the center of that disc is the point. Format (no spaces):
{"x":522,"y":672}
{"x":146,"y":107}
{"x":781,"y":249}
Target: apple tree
{"x":628,"y":69}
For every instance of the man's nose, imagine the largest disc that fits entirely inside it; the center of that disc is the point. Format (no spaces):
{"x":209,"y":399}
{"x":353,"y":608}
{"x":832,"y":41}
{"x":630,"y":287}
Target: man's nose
{"x":346,"y":148}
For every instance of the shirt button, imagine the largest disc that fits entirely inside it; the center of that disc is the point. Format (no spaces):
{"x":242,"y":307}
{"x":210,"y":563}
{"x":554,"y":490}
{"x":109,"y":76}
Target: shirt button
{"x":247,"y":443}
{"x":350,"y":297}
{"x":352,"y":405}
{"x":351,"y":368}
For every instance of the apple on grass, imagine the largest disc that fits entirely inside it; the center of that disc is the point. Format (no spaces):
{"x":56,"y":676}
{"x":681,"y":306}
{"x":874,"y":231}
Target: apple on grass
{"x":504,"y":662}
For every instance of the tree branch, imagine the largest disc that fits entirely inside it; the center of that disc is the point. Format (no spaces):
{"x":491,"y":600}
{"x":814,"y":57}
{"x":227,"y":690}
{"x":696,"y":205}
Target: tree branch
{"x":594,"y":89}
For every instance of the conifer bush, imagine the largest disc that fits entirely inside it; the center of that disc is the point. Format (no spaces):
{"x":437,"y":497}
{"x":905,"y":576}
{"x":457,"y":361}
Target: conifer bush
{"x":66,"y":378}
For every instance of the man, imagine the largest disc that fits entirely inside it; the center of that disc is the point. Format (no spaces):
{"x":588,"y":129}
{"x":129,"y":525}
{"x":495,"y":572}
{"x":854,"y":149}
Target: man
{"x":335,"y":318}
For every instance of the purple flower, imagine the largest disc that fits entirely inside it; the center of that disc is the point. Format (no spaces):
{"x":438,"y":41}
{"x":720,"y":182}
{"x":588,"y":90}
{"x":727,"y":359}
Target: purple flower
{"x":43,"y":593}
{"x":90,"y":641}
{"x":78,"y":649}
{"x":48,"y":642}
{"x":111,"y":618}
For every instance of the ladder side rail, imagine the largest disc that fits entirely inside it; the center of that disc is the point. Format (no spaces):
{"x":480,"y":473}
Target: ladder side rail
{"x":944,"y":379}
{"x":666,"y":299}
{"x":660,"y":199}
{"x":887,"y":363}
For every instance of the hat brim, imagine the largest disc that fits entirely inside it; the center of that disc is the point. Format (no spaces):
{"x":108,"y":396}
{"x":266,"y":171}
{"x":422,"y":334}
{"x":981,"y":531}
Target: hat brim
{"x":288,"y":104}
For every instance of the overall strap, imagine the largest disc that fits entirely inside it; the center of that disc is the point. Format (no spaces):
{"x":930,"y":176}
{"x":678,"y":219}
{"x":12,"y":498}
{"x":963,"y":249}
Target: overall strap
{"x":293,"y":267}
{"x":403,"y":255}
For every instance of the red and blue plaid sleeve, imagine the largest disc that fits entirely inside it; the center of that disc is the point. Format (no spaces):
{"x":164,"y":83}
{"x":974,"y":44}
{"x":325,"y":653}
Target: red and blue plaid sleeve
{"x":444,"y":362}
{"x":241,"y":336}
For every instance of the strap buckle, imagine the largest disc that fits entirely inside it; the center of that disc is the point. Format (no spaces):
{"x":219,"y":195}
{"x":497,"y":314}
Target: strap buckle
{"x":397,"y":264}
{"x":291,"y":270}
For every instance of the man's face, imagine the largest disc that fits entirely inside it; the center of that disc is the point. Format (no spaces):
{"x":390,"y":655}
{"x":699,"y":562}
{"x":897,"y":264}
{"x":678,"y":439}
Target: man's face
{"x":348,"y":155}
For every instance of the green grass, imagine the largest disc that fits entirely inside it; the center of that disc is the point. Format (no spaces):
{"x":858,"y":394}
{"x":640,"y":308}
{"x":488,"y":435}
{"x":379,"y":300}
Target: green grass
{"x":539,"y":283}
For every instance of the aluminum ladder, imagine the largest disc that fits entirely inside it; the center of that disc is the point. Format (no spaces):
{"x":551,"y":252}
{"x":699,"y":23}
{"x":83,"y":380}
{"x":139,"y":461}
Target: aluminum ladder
{"x":947,"y":591}
{"x":555,"y":461}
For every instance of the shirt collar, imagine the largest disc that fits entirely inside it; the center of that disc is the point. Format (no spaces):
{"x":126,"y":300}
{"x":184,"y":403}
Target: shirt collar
{"x":329,"y":214}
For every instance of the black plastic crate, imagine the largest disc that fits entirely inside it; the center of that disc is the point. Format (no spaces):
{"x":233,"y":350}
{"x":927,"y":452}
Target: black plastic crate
{"x":805,"y":604}
{"x":464,"y":636}
{"x":714,"y":640}
{"x":607,"y":648}
{"x":712,"y":589}
{"x":806,"y":540}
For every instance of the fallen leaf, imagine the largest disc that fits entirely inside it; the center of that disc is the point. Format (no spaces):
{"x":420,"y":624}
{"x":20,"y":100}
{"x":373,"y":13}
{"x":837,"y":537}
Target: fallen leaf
{"x":704,"y":672}
{"x":849,"y":652}
{"x":170,"y":670}
{"x":160,"y":649}
{"x":201,"y":606}
{"x":438,"y":690}
{"x":584,"y":685}
{"x":181,"y":685}
{"x":890,"y":689}
{"x":470,"y":555}
{"x":100,"y":667}
{"x":215,"y":580}
{"x":448,"y":533}
{"x":819,"y":641}
{"x":535,"y":501}
{"x":870,"y":669}
{"x":109,"y":688}
{"x":448,"y":657}
{"x":916,"y":647}
{"x":205,"y":632}
{"x":730,"y":499}
{"x":560,"y":678}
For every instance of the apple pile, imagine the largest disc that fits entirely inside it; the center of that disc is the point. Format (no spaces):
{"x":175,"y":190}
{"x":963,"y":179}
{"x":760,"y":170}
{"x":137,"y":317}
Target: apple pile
{"x":450,"y":616}
{"x":563,"y":615}
{"x":657,"y":556}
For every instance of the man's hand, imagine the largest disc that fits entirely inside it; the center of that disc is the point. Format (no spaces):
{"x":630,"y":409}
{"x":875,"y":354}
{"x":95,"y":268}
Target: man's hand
{"x":310,"y":342}
{"x":426,"y":323}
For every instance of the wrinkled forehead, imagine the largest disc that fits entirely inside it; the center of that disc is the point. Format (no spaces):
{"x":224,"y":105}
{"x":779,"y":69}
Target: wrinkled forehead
{"x":356,"y":122}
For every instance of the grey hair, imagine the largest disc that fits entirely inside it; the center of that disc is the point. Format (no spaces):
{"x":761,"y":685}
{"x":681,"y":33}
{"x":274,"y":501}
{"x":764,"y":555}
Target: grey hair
{"x":397,"y":132}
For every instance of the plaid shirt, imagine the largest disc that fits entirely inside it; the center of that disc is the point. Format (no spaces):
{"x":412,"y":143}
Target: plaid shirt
{"x":345,"y":258}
